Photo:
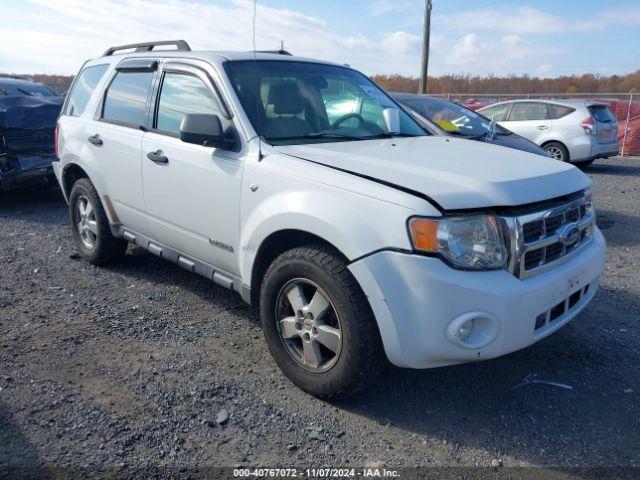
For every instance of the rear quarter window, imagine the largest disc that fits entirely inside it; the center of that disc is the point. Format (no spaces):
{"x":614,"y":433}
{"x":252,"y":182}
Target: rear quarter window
{"x":82,"y":89}
{"x":559,"y":111}
{"x":125,"y":101}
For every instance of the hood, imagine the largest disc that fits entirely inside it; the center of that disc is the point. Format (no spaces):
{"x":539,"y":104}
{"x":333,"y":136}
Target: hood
{"x":22,"y":111}
{"x":455,"y":173}
{"x":515,"y":141}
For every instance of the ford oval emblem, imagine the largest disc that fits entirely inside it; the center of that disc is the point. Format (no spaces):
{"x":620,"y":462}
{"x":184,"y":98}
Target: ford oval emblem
{"x":569,"y":235}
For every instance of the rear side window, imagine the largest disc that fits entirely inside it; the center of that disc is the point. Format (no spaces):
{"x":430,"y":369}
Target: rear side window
{"x":126,"y":99}
{"x":82,"y":89}
{"x":499,"y":112}
{"x":601,"y":113}
{"x":522,"y":111}
{"x":182,"y":94}
{"x":559,"y":111}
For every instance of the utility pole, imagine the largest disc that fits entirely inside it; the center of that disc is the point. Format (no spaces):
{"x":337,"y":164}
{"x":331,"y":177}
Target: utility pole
{"x":425,"y":46}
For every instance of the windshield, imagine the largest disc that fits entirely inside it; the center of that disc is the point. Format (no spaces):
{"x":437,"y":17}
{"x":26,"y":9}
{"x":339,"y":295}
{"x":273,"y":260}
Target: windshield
{"x":452,"y":118}
{"x":31,"y":90}
{"x":292,"y":102}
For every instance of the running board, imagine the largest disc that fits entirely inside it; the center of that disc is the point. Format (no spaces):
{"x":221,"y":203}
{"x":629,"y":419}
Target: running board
{"x":224,"y":279}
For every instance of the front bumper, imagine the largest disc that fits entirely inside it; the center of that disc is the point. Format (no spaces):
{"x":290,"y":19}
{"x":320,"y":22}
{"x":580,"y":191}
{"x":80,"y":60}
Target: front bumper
{"x":417,"y":300}
{"x":27,"y":170}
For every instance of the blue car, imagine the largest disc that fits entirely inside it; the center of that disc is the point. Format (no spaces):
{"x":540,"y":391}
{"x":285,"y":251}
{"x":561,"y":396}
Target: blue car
{"x":443,"y":117}
{"x":28,"y":114}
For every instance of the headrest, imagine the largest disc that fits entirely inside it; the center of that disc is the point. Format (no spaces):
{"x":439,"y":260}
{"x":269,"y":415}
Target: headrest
{"x":286,"y":98}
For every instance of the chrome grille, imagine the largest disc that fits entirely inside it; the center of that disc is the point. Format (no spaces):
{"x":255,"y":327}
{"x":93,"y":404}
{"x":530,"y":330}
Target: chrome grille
{"x":548,"y":237}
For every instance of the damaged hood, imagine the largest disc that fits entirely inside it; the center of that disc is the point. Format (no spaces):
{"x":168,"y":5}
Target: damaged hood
{"x":22,"y":111}
{"x":455,"y":173}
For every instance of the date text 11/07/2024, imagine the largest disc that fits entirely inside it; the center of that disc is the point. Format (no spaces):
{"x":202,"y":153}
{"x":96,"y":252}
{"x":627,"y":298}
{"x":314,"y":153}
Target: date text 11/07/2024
{"x":315,"y":473}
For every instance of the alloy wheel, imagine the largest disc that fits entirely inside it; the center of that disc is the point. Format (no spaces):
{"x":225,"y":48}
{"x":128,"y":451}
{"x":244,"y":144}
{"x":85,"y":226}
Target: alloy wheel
{"x":556,"y":153}
{"x":308,"y":324}
{"x":86,"y":222}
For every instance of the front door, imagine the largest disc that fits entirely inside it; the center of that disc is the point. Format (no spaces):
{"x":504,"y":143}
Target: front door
{"x":192,"y":192}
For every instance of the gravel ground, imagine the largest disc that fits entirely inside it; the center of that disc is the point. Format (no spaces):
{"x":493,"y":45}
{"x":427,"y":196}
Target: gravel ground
{"x":143,"y":364}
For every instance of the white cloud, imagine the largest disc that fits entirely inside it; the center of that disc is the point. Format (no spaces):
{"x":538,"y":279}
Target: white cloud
{"x":515,"y":48}
{"x":67,"y":32}
{"x":544,"y":69}
{"x":468,"y":50}
{"x":523,"y":20}
{"x":400,"y":43}
{"x":383,"y":7}
{"x":486,"y":54}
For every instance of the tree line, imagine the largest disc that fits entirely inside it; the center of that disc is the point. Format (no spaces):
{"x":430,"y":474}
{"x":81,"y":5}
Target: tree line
{"x":465,"y":83}
{"x":492,"y":84}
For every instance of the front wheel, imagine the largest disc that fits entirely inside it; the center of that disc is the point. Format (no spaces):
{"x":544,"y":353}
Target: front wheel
{"x":557,"y":151}
{"x":318,"y":323}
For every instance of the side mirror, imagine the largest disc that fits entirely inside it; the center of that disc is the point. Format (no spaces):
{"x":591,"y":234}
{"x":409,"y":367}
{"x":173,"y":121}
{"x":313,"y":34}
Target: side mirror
{"x":204,"y":129}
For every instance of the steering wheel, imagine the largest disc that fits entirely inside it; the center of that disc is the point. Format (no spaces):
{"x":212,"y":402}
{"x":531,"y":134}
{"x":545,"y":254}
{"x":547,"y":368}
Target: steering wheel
{"x":346,"y":117}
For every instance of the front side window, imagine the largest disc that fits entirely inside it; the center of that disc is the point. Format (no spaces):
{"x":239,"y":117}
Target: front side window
{"x":126,"y":98}
{"x":497,"y":112}
{"x":182,"y":94}
{"x":522,"y":111}
{"x":82,"y":89}
{"x":291,"y":102}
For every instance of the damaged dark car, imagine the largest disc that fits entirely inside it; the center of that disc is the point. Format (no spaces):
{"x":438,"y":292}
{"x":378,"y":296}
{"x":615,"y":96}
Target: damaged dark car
{"x":28,"y":114}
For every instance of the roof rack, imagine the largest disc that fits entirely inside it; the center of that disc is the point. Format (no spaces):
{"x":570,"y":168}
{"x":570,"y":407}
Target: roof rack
{"x":181,"y":46}
{"x":277,"y":52}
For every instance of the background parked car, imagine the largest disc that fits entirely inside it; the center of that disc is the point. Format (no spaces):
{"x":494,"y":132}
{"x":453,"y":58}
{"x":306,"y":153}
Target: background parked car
{"x":448,"y":118}
{"x":577,"y":131}
{"x":28,"y":114}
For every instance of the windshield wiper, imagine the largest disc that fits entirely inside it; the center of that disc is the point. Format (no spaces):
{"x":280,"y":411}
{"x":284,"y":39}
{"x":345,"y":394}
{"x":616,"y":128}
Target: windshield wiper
{"x":315,"y":135}
{"x":390,"y":135}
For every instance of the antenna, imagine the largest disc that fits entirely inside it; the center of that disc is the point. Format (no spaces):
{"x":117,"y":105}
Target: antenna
{"x":253,"y":32}
{"x":255,"y":59}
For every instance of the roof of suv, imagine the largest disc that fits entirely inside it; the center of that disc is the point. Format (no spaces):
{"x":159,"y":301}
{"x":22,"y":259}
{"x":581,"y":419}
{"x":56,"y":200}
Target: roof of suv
{"x":215,"y":57}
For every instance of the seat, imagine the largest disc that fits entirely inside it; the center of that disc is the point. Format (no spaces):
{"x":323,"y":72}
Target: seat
{"x":287,"y":101}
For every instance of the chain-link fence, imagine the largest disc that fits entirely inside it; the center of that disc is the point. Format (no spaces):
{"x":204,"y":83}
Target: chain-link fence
{"x":626,"y":108}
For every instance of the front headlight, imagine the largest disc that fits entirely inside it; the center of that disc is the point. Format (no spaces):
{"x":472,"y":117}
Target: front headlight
{"x":470,"y":242}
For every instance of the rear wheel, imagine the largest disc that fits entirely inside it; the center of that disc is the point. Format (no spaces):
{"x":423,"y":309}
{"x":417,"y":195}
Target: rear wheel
{"x":90,"y":225}
{"x":557,"y":151}
{"x":318,"y":323}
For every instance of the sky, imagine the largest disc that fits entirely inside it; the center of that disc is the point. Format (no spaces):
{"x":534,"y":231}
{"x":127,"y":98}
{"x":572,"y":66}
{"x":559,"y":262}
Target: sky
{"x":545,"y":38}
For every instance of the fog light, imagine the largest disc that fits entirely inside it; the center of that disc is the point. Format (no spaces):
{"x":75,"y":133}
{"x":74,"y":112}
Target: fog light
{"x":473,"y":330}
{"x":464,"y":330}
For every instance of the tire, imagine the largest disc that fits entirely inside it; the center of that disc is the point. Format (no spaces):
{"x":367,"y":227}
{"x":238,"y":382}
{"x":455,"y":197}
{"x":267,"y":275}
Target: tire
{"x":316,"y":270}
{"x":557,"y":151}
{"x":105,"y":248}
{"x":583,"y":163}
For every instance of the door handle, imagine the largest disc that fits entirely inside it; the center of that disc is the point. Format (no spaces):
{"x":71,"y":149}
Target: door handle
{"x":96,"y":140}
{"x":542,"y":127}
{"x":157,"y":157}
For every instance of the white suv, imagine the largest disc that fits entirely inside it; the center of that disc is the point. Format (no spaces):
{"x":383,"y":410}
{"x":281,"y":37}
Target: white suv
{"x":302,"y":186}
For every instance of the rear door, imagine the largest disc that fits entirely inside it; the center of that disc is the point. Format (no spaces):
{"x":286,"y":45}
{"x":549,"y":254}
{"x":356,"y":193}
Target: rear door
{"x":193,"y":194}
{"x":529,"y":120}
{"x":606,"y":123}
{"x":115,"y":136}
